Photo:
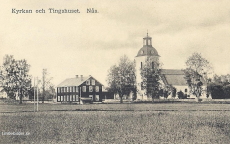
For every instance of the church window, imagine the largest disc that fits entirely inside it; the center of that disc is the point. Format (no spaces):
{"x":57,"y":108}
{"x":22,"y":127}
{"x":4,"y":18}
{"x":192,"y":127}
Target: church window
{"x":141,"y":65}
{"x":142,"y":87}
{"x":153,"y":65}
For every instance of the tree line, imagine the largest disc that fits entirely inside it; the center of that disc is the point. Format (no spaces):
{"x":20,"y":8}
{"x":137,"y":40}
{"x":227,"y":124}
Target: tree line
{"x":17,"y":82}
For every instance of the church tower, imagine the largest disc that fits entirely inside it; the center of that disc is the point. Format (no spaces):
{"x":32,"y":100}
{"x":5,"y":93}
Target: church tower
{"x":145,"y":52}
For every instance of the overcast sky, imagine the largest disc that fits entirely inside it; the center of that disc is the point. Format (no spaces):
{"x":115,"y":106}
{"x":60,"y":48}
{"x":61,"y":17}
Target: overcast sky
{"x":88,"y":44}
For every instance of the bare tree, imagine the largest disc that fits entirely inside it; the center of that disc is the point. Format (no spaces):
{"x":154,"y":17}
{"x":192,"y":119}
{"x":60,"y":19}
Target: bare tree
{"x":46,"y":87}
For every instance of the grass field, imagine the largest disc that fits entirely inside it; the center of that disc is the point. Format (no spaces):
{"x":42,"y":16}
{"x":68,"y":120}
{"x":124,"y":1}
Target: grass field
{"x":117,"y":123}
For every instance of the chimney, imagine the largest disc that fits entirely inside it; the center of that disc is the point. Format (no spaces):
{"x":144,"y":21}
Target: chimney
{"x":76,"y":76}
{"x":81,"y":77}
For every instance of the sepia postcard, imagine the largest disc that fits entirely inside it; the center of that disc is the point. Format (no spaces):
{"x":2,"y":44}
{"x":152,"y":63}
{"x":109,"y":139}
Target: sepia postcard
{"x":134,"y":71}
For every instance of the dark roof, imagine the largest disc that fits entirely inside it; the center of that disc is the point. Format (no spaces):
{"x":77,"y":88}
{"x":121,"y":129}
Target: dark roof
{"x":147,"y":50}
{"x":178,"y":80}
{"x":74,"y":81}
{"x":175,"y":77}
{"x":172,"y":71}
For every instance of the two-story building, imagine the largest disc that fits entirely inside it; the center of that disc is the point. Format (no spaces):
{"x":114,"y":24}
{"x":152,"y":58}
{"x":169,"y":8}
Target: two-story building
{"x":79,"y":88}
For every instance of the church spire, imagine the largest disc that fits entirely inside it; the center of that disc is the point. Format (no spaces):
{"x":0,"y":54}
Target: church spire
{"x":147,"y":40}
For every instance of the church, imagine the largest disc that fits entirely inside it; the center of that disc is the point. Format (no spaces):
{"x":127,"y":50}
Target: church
{"x":169,"y":77}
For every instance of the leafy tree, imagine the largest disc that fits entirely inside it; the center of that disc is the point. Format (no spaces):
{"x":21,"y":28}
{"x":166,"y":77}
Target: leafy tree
{"x":219,"y":88}
{"x":121,"y":78}
{"x":173,"y":91}
{"x":216,"y":90}
{"x":180,"y":95}
{"x":16,"y":79}
{"x":150,"y":74}
{"x":226,"y":90}
{"x":196,"y":73}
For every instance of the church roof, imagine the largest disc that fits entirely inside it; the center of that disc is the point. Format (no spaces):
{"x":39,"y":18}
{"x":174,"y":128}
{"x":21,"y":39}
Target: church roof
{"x":175,"y":77}
{"x":147,"y":50}
{"x":172,"y":71}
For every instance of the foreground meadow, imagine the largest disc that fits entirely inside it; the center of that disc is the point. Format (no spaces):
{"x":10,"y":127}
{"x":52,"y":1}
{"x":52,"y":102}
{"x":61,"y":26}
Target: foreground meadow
{"x":132,"y":123}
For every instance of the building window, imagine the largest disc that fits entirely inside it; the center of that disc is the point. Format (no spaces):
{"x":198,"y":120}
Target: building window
{"x":65,"y":89}
{"x":97,"y":88}
{"x":90,"y":88}
{"x":67,"y":98}
{"x":142,"y":86}
{"x":93,"y":82}
{"x":91,"y":96}
{"x":77,"y":98}
{"x":70,"y":98}
{"x":74,"y":89}
{"x":84,"y":88}
{"x":74,"y":98}
{"x":59,"y":98}
{"x":97,"y":98}
{"x":88,"y":82}
{"x":70,"y":89}
{"x":185,"y":90}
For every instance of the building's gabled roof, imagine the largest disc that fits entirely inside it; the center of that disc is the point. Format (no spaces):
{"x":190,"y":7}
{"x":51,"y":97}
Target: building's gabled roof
{"x":178,"y":80}
{"x":75,"y":81}
{"x":175,"y":77}
{"x":172,"y":72}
